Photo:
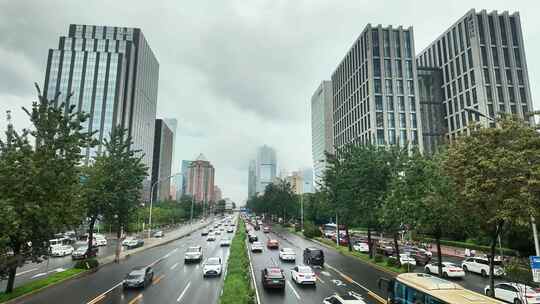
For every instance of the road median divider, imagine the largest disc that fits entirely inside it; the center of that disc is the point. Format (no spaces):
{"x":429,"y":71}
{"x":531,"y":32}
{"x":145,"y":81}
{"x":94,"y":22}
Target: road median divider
{"x":40,"y":284}
{"x":237,"y":285}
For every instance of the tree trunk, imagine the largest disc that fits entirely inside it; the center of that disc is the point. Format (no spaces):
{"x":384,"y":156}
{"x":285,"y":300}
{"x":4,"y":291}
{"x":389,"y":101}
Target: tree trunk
{"x":13,"y":269}
{"x":348,"y":238}
{"x":118,"y":244}
{"x":492,"y":248}
{"x":396,"y":244}
{"x":90,"y":234}
{"x":439,"y":255}
{"x":370,"y":243}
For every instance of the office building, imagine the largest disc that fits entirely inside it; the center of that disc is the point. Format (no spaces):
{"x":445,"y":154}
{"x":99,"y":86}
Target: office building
{"x":296,"y":180}
{"x":252,"y":178}
{"x":172,"y":123}
{"x":266,"y":167}
{"x":431,"y":108}
{"x":375,"y":90}
{"x":182,"y":179}
{"x":162,"y":161}
{"x":217,"y":194}
{"x":111,"y":74}
{"x":200,"y":180}
{"x":307,"y":175}
{"x":483,"y":66}
{"x":321,"y":127}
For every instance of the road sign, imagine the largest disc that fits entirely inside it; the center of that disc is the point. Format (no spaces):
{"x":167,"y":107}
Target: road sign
{"x":535,"y":267}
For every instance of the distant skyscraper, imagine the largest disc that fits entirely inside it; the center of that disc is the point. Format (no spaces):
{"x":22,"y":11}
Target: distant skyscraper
{"x":321,"y":127}
{"x":161,"y":168}
{"x":172,"y":123}
{"x":482,"y":62}
{"x":252,"y":178}
{"x":375,"y":90}
{"x":113,"y":76}
{"x":217,"y":194}
{"x":266,"y":167}
{"x":184,"y":169}
{"x":200,"y":180}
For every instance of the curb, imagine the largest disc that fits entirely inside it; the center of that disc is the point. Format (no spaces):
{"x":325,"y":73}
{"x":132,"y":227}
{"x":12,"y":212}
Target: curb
{"x":101,"y":264}
{"x":253,"y":281}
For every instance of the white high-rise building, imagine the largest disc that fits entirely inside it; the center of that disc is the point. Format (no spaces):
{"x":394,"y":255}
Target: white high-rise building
{"x":321,"y":128}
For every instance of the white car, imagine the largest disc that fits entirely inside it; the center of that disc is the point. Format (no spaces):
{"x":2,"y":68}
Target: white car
{"x":303,"y":275}
{"x":481,"y":266}
{"x":230,"y":229}
{"x":212,"y":267}
{"x":287,"y":254}
{"x":405,"y":258}
{"x":515,"y":293}
{"x":61,"y":250}
{"x":361,"y":247}
{"x":225,"y":242}
{"x":449,"y":270}
{"x":211,"y":237}
{"x":426,"y":252}
{"x":100,"y":241}
{"x":127,"y":241}
{"x":257,"y":247}
{"x":193,"y":253}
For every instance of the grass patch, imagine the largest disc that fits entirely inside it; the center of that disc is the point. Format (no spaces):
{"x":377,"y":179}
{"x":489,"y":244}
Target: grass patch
{"x":362,"y":256}
{"x":40,"y":284}
{"x":236,"y":287}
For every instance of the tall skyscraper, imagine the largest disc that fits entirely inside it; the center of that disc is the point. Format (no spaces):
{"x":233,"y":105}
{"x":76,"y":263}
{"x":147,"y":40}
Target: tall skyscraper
{"x":172,"y":123}
{"x":266,"y":167}
{"x":200,"y":179}
{"x":375,"y":90}
{"x":112,"y":75}
{"x":483,"y":66}
{"x":431,"y":108}
{"x":184,"y":170}
{"x":321,"y":127}
{"x":252,"y":178}
{"x":161,"y":168}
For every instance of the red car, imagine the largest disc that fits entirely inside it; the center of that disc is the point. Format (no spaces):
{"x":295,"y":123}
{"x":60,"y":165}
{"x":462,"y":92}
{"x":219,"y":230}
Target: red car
{"x":272,"y":244}
{"x":343,"y":241}
{"x":273,"y":277}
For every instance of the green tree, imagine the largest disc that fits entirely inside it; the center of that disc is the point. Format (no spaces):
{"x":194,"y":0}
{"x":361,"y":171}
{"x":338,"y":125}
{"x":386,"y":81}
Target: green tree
{"x":497,"y":173}
{"x":124,"y":174}
{"x":220,"y":206}
{"x":40,"y":182}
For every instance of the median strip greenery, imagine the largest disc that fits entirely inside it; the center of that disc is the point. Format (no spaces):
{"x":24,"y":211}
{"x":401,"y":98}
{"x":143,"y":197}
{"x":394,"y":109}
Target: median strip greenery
{"x":237,"y":288}
{"x":36,"y":285}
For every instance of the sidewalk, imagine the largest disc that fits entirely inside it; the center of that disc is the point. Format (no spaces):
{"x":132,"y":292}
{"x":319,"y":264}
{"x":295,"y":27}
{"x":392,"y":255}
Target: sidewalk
{"x":153,"y":242}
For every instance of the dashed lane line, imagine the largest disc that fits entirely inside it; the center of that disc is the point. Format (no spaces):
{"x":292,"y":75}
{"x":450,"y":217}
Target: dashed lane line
{"x":136,"y":299}
{"x":102,"y":295}
{"x":156,"y":280}
{"x":174,"y":266}
{"x":183,"y":292}
{"x":26,"y":271}
{"x":294,"y":290}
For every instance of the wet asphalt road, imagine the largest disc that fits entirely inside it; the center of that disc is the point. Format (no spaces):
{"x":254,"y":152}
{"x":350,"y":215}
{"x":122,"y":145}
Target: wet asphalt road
{"x":174,"y":281}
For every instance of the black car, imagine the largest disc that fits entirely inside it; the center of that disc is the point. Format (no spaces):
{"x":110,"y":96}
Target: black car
{"x":314,"y":257}
{"x":252,"y":238}
{"x":273,"y":277}
{"x":204,"y":232}
{"x":139,"y":277}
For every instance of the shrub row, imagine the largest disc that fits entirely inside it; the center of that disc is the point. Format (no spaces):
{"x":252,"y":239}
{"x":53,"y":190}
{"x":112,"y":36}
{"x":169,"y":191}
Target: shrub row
{"x":237,"y":288}
{"x":87,"y":264}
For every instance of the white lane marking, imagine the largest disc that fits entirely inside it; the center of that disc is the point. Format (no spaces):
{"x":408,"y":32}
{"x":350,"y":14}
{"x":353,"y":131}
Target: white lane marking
{"x":57,"y":270}
{"x":253,"y":275}
{"x":169,"y":254}
{"x":102,"y":295}
{"x":348,"y":278}
{"x":294,"y":290}
{"x":39,"y":275}
{"x":183,"y":292}
{"x":325,"y":273}
{"x":26,"y":271}
{"x":174,"y":266}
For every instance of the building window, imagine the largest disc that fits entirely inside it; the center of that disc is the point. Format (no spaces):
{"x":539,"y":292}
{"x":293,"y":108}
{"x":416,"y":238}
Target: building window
{"x":504,"y":39}
{"x":410,"y":87}
{"x":378,"y":103}
{"x":401,"y":103}
{"x":388,"y":68}
{"x":408,"y":69}
{"x":403,"y":137}
{"x":380,"y":120}
{"x":489,"y":94}
{"x":402,"y":121}
{"x":412,"y":104}
{"x":392,"y":137}
{"x":391,"y":120}
{"x":517,"y":57}
{"x":492,"y":35}
{"x":390,"y":103}
{"x":378,"y":86}
{"x":513,"y":29}
{"x":397,"y":44}
{"x":487,"y":79}
{"x":386,"y":41}
{"x":377,"y":67}
{"x":481,"y":29}
{"x":413,"y":120}
{"x":399,"y":68}
{"x":407,"y":41}
{"x":375,"y":41}
{"x":471,"y":76}
{"x":497,"y":76}
{"x":506,"y":57}
{"x":495,"y":56}
{"x":388,"y":86}
{"x":399,"y":85}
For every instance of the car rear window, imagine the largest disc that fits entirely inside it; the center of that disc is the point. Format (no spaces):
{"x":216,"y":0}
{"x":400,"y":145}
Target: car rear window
{"x":316,"y":253}
{"x":274,"y":273}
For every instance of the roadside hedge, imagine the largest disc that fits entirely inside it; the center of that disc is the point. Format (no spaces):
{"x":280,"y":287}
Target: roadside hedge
{"x":87,"y":264}
{"x":485,"y":249}
{"x":236,"y":287}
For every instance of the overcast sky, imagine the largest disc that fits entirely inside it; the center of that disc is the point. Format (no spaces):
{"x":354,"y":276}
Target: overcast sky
{"x":236,"y":74}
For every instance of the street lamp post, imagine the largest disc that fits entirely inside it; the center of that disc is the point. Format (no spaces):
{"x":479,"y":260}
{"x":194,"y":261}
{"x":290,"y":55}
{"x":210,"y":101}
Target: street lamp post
{"x":152,"y":199}
{"x":533,"y":222}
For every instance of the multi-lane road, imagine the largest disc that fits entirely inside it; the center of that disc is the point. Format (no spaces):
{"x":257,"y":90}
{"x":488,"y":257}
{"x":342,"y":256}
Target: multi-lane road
{"x":177,"y":282}
{"x":174,"y":281}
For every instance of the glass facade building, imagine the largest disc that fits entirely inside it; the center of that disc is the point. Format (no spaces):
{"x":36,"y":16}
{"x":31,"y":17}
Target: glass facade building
{"x":431,"y":108}
{"x":252,"y":178}
{"x":266,"y":167}
{"x":375,"y":91}
{"x":162,"y":160}
{"x":482,"y":59}
{"x":321,"y":128}
{"x":112,"y":74}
